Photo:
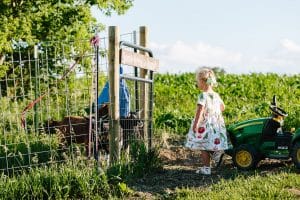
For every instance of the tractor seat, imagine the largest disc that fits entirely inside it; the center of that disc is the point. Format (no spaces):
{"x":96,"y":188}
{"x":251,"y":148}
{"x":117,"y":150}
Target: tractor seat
{"x":270,"y":135}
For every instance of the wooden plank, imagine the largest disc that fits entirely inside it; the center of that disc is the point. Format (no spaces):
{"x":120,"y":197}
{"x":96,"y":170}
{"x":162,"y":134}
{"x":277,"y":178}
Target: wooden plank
{"x":138,"y":60}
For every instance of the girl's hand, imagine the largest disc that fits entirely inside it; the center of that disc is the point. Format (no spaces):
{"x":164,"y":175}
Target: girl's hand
{"x":199,"y":112}
{"x":222,"y":107}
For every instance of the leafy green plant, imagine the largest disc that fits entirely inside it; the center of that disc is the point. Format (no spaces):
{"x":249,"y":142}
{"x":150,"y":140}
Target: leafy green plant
{"x":246,"y":96}
{"x":141,"y":161}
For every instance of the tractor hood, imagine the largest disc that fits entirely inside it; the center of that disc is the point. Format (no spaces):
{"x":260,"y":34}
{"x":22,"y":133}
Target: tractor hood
{"x":252,"y":124}
{"x":246,"y":132}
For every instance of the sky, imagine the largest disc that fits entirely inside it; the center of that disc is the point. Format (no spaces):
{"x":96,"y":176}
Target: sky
{"x":257,"y":36}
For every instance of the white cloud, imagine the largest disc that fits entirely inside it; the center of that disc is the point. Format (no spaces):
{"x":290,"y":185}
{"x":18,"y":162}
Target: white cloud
{"x":185,"y":57}
{"x":290,"y":46}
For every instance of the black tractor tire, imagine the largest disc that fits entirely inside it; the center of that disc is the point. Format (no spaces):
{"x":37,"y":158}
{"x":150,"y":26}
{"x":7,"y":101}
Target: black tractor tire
{"x":245,"y":157}
{"x":295,"y":154}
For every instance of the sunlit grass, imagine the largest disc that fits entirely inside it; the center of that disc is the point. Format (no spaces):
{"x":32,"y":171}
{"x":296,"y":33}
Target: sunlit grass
{"x":283,"y":185}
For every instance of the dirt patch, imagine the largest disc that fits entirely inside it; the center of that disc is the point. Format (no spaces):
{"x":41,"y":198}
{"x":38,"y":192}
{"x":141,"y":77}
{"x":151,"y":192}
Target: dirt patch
{"x":179,"y":166}
{"x":180,"y":156}
{"x":294,"y":191}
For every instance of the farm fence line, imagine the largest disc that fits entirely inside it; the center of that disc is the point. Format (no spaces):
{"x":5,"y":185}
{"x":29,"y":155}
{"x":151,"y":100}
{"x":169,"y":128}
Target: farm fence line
{"x":50,"y":109}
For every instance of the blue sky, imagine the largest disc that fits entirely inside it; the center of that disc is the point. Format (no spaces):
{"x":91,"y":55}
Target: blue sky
{"x":239,"y":36}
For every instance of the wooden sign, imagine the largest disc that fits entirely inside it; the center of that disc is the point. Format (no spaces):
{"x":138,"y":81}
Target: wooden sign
{"x":138,"y":60}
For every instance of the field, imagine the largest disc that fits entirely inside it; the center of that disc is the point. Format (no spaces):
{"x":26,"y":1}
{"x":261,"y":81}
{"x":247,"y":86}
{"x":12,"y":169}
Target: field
{"x":245,"y":97}
{"x":168,"y":172}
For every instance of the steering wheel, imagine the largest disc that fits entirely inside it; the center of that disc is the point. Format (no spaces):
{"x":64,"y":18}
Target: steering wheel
{"x":277,"y":110}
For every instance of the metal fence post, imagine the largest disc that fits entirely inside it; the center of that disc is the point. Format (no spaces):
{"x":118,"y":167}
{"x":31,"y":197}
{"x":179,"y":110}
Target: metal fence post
{"x":36,"y":87}
{"x":144,"y":87}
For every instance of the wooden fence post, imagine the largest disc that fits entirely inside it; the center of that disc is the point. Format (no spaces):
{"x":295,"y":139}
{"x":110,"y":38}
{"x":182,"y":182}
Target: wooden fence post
{"x":144,"y":87}
{"x":114,"y":85}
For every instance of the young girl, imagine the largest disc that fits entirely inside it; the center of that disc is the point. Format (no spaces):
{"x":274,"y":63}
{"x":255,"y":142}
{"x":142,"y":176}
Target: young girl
{"x":208,"y":131}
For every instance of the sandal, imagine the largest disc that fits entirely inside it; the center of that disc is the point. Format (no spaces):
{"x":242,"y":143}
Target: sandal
{"x":204,"y":170}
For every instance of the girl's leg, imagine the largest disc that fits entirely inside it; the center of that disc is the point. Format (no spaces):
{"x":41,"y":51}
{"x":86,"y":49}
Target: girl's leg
{"x":205,"y":158}
{"x":217,"y":157}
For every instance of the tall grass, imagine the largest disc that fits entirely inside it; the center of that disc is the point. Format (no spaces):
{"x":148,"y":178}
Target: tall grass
{"x":80,"y":178}
{"x":139,"y":162}
{"x":56,"y":182}
{"x":22,"y":150}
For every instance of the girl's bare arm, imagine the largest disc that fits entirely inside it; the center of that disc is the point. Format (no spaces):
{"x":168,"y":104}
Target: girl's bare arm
{"x":199,"y":112}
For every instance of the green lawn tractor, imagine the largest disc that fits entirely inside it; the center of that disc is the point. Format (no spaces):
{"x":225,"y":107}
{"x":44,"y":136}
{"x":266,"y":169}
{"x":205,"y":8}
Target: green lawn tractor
{"x":256,"y":139}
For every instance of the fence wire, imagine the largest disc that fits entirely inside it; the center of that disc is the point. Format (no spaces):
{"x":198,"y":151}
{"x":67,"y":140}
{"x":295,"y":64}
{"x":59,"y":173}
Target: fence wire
{"x":47,"y":97}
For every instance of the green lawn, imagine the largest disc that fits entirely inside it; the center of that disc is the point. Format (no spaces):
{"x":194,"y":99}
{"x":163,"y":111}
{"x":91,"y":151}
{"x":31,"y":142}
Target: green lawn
{"x":284,"y":185}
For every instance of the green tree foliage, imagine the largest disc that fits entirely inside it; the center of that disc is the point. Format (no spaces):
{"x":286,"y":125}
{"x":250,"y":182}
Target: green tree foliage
{"x":33,"y":21}
{"x":41,"y":20}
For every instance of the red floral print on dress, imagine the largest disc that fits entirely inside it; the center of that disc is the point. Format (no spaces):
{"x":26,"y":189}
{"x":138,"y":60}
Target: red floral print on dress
{"x":201,"y":130}
{"x":217,"y":141}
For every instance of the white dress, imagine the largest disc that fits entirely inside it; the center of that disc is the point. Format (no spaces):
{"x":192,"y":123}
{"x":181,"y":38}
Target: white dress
{"x":211,"y":131}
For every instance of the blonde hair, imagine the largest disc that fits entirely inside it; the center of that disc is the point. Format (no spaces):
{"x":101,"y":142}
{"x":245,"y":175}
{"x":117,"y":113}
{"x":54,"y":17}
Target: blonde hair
{"x":207,"y":75}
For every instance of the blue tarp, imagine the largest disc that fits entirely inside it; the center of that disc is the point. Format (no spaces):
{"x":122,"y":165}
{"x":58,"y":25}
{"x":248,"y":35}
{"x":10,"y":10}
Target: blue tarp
{"x":103,"y":98}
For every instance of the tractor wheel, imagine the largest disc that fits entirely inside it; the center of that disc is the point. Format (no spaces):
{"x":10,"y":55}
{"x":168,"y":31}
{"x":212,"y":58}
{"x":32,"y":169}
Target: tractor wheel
{"x":245,"y":157}
{"x":296,"y":154}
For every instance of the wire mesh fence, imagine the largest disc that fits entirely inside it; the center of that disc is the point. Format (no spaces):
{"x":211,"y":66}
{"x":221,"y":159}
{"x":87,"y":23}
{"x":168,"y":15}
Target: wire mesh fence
{"x":48,"y":99}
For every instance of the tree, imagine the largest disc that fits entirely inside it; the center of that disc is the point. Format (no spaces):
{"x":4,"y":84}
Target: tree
{"x":32,"y":21}
{"x":36,"y":20}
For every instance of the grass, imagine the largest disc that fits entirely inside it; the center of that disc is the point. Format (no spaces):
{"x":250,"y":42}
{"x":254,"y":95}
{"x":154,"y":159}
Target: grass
{"x":79,"y":179}
{"x":245,"y":97}
{"x":56,"y":182}
{"x":284,"y":185}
